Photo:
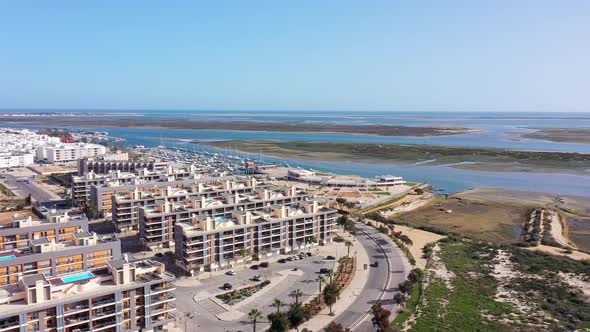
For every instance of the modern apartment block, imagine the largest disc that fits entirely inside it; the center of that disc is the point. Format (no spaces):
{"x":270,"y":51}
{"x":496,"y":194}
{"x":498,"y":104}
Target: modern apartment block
{"x":123,"y":296}
{"x":106,"y":164}
{"x":156,"y":225}
{"x":210,"y":243}
{"x":129,"y":199}
{"x":59,"y":226}
{"x":82,"y":185}
{"x":67,"y":152}
{"x":59,"y":245}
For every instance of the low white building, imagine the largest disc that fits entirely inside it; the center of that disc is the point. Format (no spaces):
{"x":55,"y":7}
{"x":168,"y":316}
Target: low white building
{"x":8,"y":160}
{"x":67,"y":152}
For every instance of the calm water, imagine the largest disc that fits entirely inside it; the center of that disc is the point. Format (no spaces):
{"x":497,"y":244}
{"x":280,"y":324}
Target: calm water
{"x":498,"y":130}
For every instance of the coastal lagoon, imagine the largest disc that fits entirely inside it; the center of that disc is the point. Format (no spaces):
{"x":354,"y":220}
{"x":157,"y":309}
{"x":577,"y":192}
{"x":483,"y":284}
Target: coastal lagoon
{"x":498,"y":130}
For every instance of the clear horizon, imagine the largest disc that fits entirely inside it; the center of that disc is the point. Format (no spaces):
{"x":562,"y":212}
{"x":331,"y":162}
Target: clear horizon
{"x":334,"y":56}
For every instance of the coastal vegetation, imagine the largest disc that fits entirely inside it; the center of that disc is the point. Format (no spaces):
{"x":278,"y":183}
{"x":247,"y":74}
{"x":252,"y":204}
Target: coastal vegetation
{"x":288,"y":126}
{"x":560,"y":134}
{"x":413,"y":153}
{"x":471,"y":285}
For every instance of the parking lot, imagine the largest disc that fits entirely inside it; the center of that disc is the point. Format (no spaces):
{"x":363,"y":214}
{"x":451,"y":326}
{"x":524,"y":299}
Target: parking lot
{"x":198,"y":296}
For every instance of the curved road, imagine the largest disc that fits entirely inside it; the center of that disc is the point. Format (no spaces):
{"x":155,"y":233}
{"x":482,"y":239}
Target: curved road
{"x":382,"y":280}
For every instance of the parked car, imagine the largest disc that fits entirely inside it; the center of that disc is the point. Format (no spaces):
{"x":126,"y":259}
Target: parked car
{"x":309,"y":254}
{"x":324,"y":270}
{"x":231,"y":273}
{"x":159,"y":254}
{"x":227,"y":286}
{"x":264,"y":264}
{"x":282,"y":260}
{"x":254,"y":267}
{"x":295,"y":258}
{"x":330,"y":258}
{"x":257,"y":278}
{"x":301,"y":256}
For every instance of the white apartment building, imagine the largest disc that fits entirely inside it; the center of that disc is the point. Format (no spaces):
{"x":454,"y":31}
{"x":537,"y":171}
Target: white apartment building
{"x":16,"y":159}
{"x":18,"y":146}
{"x":69,"y":152}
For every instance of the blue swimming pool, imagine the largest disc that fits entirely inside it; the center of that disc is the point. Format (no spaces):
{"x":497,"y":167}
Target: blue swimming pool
{"x":5,"y":258}
{"x":76,"y":277}
{"x":221,"y":219}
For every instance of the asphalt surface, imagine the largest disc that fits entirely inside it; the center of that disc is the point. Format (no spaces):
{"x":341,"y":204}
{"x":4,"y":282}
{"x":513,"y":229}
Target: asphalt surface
{"x":205,"y":311}
{"x":37,"y":192}
{"x":382,"y":283}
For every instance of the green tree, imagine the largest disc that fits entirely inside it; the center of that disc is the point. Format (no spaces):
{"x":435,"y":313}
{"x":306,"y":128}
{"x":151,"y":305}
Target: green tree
{"x":254,"y":316}
{"x":380,"y":318}
{"x":419,"y":191}
{"x":341,"y":221}
{"x":321,"y":280}
{"x":244,"y":252}
{"x":91,"y":211}
{"x":348,"y":245}
{"x":279,"y":322}
{"x":296,"y":294}
{"x":331,"y":293}
{"x":297,"y":315}
{"x":330,"y":275}
{"x":349,"y":226}
{"x":341,"y":201}
{"x":416,"y":275}
{"x":336,"y":327}
{"x":278,"y":303}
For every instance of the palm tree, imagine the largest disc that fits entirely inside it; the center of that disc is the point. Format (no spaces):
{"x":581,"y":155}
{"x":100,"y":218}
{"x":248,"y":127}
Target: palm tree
{"x":320,"y":279}
{"x":278,"y":303}
{"x":348,"y":244}
{"x":244,"y":252}
{"x":296,"y":293}
{"x":330,"y":275}
{"x":254,"y":315}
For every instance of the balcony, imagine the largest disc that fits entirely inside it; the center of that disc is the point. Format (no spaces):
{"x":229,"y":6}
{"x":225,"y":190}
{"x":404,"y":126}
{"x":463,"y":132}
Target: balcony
{"x":160,"y":289}
{"x":9,"y":325}
{"x":162,"y":298}
{"x":75,"y":321}
{"x":104,"y":325}
{"x":167,"y":308}
{"x":103,"y":303}
{"x":75,"y":309}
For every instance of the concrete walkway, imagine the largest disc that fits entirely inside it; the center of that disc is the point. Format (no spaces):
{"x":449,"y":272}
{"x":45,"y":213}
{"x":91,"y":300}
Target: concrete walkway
{"x":349,"y":294}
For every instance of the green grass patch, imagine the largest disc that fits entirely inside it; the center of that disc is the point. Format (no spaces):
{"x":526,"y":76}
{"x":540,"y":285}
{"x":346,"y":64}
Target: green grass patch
{"x":461,"y":307}
{"x":5,"y":191}
{"x":384,"y":204}
{"x":410,"y":307}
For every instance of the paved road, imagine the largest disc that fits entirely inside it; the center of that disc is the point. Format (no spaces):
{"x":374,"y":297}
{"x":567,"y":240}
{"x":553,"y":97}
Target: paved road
{"x":206,"y":311}
{"x":37,"y":192}
{"x":382,"y":280}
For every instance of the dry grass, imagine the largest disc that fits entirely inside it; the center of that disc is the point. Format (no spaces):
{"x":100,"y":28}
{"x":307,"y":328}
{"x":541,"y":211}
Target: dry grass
{"x":491,"y":222}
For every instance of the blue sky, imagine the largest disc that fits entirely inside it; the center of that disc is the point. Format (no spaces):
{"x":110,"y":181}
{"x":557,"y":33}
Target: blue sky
{"x":296,"y":55}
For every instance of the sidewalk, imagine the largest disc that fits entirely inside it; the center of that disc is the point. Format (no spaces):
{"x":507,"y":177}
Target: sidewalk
{"x":348,"y":295}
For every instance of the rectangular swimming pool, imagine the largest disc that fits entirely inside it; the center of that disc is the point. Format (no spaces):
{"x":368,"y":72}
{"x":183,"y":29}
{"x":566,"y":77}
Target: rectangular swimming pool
{"x":5,"y":258}
{"x":76,"y":277}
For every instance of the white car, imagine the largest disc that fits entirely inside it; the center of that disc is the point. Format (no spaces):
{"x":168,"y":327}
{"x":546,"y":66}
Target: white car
{"x":231,"y":273}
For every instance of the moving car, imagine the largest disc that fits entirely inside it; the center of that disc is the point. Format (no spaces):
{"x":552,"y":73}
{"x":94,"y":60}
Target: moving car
{"x":330,"y":258}
{"x":227,"y":286}
{"x":231,"y":273}
{"x":257,"y":278}
{"x":324,"y":270}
